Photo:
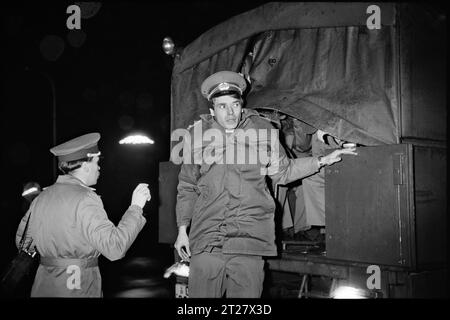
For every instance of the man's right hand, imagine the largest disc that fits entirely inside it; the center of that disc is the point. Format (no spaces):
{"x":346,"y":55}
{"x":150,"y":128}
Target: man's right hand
{"x":141,"y":195}
{"x":182,"y":244}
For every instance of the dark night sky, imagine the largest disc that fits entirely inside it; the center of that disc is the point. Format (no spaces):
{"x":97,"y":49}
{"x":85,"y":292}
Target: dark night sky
{"x":115,"y":82}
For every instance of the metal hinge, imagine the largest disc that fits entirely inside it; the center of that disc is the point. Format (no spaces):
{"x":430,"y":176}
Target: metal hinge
{"x":398,"y":164}
{"x":399,"y":179}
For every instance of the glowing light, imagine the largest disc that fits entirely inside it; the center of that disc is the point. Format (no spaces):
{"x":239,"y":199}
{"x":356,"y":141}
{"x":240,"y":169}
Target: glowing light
{"x":168,"y":46}
{"x":136,"y":139}
{"x":345,"y":292}
{"x":29,"y":191}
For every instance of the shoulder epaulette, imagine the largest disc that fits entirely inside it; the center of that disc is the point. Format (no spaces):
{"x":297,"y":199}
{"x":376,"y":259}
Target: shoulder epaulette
{"x":194,"y":124}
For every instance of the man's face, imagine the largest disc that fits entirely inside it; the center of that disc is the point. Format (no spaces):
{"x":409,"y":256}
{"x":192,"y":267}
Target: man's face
{"x":93,"y":168}
{"x":227,"y":111}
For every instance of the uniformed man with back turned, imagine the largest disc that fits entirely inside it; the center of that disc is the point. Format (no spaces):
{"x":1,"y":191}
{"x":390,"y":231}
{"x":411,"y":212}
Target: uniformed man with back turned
{"x":70,"y":229}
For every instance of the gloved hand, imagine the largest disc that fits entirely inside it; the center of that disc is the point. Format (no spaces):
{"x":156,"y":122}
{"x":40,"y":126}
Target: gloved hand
{"x":141,"y":195}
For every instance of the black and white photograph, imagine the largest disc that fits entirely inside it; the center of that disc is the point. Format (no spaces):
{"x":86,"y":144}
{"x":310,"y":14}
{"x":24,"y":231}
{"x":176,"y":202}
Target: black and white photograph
{"x":244,"y":152}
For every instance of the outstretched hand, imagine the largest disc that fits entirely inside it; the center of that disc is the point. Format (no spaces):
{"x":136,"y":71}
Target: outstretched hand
{"x":334,"y":156}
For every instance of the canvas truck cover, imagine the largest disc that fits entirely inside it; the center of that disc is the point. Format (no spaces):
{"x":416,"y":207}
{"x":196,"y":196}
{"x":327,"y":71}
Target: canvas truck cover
{"x":318,"y":62}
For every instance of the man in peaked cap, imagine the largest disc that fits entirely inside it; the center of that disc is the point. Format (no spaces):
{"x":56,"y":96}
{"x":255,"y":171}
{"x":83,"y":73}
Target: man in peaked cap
{"x":70,"y":229}
{"x":228,"y":206}
{"x":223,"y":83}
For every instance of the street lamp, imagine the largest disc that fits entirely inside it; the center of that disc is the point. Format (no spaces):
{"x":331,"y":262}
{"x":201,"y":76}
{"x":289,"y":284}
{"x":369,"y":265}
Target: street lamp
{"x":52,"y":85}
{"x":136,"y":139}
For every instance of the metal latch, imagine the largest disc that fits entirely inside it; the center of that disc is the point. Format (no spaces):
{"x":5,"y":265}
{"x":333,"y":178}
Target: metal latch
{"x":398,"y":164}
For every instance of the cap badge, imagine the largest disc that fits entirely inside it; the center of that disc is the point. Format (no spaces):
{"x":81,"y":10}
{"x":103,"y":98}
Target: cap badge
{"x":223,"y":86}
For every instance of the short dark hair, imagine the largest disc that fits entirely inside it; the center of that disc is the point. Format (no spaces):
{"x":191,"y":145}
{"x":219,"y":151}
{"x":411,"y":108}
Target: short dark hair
{"x":232,"y":94}
{"x":69,"y":166}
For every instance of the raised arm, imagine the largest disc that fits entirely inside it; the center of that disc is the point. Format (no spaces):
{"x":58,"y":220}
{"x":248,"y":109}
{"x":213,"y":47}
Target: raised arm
{"x":111,"y":241}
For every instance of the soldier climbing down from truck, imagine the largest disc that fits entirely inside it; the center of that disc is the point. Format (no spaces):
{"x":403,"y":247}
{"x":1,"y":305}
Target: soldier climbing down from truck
{"x":228,"y":207}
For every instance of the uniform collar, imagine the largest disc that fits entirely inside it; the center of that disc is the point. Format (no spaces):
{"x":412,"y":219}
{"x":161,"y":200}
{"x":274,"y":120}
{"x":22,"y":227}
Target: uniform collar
{"x":69,"y":179}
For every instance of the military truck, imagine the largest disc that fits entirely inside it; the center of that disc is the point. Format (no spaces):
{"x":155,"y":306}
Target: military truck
{"x":368,"y":73}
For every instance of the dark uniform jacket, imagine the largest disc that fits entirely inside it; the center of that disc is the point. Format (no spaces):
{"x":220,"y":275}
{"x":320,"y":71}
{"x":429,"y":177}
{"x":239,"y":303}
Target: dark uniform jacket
{"x":230,"y":205}
{"x":70,"y":229}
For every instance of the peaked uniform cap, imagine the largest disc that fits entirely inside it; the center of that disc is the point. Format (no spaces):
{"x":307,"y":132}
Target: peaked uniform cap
{"x":77,"y":148}
{"x":223,"y":82}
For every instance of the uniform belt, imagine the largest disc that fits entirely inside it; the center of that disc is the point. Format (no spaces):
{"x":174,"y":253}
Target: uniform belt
{"x":62,"y":262}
